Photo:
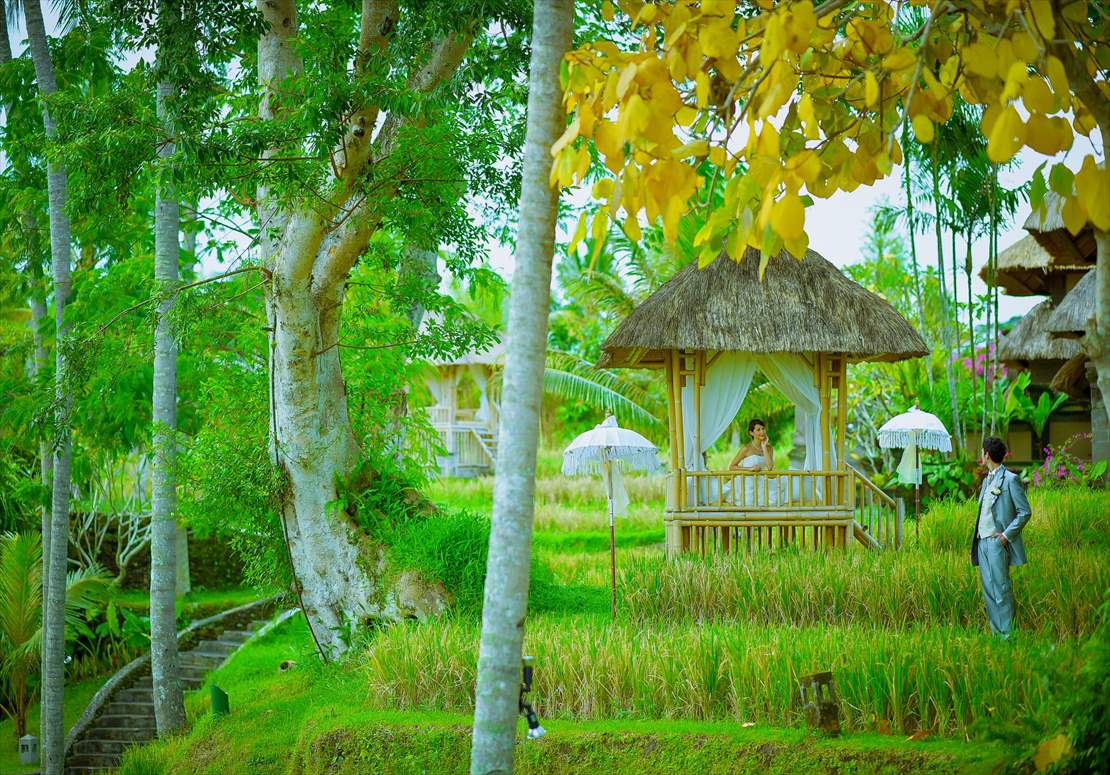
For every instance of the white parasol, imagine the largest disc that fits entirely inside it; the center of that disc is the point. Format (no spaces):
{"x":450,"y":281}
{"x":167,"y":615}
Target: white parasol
{"x":606,"y":450}
{"x":912,"y":431}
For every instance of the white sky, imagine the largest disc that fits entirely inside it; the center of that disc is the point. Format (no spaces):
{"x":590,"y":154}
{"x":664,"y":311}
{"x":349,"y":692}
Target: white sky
{"x":837,"y":226}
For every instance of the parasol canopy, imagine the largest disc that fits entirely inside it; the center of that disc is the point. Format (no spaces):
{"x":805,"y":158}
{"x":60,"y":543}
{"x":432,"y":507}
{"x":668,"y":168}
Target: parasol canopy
{"x":608,"y":442}
{"x":915,"y":427}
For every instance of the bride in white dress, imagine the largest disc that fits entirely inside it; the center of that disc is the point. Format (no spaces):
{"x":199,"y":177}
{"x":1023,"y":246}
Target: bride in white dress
{"x":756,"y":455}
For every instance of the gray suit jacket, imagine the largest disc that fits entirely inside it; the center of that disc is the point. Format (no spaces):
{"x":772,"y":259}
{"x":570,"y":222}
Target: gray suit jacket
{"x":1011,"y":512}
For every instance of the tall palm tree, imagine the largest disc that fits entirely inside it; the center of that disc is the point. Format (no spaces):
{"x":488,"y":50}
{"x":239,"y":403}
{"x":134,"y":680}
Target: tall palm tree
{"x":169,"y":701}
{"x":55,"y":541}
{"x":21,"y":614}
{"x":510,"y":544}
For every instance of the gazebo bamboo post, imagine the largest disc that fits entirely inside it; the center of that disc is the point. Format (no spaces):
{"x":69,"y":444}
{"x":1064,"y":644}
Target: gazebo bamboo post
{"x":673,"y":533}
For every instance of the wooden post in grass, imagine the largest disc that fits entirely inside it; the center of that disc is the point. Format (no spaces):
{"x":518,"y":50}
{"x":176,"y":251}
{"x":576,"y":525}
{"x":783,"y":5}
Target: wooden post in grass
{"x":612,"y":543}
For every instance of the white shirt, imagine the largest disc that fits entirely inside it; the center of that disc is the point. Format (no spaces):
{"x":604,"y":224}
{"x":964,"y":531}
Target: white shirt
{"x":987,"y":527}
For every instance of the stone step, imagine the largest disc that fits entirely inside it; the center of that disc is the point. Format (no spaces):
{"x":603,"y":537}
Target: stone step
{"x":93,"y":760}
{"x":111,"y":747}
{"x":134,"y":694}
{"x":123,"y":707}
{"x":217,"y":647}
{"x":71,"y":770}
{"x":203,"y":656}
{"x":126,"y":721}
{"x":235,"y":636}
{"x":127,"y":734}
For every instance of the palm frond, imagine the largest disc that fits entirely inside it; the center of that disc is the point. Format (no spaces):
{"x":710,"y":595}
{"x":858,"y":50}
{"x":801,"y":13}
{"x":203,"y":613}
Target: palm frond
{"x":574,"y":387}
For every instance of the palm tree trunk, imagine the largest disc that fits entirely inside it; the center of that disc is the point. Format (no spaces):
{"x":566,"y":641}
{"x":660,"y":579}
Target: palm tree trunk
{"x":945,"y":314}
{"x":971,"y":326}
{"x":913,"y":250}
{"x":53,"y":678}
{"x":510,"y":544}
{"x":169,"y":704}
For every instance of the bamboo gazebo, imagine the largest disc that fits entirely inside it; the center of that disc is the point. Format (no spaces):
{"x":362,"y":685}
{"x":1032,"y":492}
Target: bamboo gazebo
{"x":708,"y":331}
{"x":467,"y":433}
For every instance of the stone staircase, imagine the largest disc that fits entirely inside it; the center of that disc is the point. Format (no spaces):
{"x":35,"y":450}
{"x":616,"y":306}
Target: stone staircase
{"x":124,"y":714}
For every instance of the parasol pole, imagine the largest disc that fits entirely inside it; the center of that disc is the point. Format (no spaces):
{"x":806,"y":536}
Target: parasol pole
{"x":917,"y":495}
{"x":612,"y":538}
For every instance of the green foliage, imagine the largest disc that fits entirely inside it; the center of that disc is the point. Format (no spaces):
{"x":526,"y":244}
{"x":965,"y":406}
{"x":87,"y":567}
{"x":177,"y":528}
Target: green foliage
{"x":949,"y":477}
{"x":1087,"y":707}
{"x":450,"y":548}
{"x":1019,"y":405}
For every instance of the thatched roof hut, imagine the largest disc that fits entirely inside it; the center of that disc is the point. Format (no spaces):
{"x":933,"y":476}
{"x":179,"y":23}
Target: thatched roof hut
{"x":1026,"y":268}
{"x":1047,"y":227}
{"x":1030,"y":340}
{"x":1071,"y":378}
{"x":1071,"y":315}
{"x":804,"y":306}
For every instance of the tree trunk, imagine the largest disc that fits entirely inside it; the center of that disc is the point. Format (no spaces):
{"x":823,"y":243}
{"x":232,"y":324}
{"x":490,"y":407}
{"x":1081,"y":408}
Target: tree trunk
{"x":169,"y":703}
{"x":1097,"y":343}
{"x":189,"y":231}
{"x":949,"y":373}
{"x":510,"y":544}
{"x":54,"y":564}
{"x":924,"y":331}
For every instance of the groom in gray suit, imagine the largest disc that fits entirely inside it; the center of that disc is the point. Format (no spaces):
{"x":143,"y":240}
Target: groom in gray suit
{"x":996,"y":542}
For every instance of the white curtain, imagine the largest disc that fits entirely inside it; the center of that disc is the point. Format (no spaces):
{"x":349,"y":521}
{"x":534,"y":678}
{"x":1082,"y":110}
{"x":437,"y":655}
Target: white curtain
{"x":435,"y":387}
{"x":791,"y":374}
{"x":726,"y":386}
{"x":480,"y":374}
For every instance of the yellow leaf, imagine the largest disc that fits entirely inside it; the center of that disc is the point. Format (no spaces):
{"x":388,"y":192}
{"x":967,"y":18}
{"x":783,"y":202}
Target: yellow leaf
{"x":797,"y":247}
{"x":603,"y":188}
{"x":567,"y":137}
{"x":1074,"y":214}
{"x":900,"y":59}
{"x":1006,"y":137}
{"x":1092,"y":185}
{"x":950,"y":70}
{"x":768,"y":143}
{"x":764,"y":259}
{"x":979,"y":59}
{"x":1016,"y":77}
{"x":1043,"y":20}
{"x":719,"y":40}
{"x":871,"y":89}
{"x":607,"y":11}
{"x":1037,"y":97}
{"x":717,"y":156}
{"x":686,"y":116}
{"x":625,"y":80}
{"x":788,"y":217}
{"x":808,"y":117}
{"x":632,"y":228}
{"x":1040,"y":135}
{"x":671,"y":216}
{"x":923,"y":129}
{"x":1058,"y":77}
{"x":579,"y":234}
{"x":694,"y":148}
{"x":702,"y":88}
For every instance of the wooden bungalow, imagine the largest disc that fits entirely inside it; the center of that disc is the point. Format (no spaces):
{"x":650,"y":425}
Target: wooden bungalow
{"x":708,"y":331}
{"x":1077,"y":377}
{"x":1041,"y":264}
{"x":466,"y":426}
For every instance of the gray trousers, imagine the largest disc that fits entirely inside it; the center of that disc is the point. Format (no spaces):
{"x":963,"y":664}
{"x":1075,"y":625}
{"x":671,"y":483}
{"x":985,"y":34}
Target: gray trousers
{"x":998,"y":593}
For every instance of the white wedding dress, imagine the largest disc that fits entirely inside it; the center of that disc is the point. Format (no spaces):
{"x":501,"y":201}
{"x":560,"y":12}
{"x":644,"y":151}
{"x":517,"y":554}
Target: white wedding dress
{"x":759,"y":490}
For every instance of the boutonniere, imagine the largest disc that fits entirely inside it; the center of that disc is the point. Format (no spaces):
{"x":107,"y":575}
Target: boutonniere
{"x":996,"y":491}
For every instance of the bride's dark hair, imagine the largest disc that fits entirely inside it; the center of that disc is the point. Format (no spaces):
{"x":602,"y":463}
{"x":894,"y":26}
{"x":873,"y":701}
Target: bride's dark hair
{"x":755,"y":422}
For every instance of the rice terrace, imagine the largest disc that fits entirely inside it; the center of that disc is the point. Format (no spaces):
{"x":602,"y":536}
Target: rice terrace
{"x":555,"y":387}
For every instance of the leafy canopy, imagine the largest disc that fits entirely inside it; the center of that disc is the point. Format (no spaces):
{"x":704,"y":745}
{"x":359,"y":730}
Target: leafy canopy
{"x":779,"y":102}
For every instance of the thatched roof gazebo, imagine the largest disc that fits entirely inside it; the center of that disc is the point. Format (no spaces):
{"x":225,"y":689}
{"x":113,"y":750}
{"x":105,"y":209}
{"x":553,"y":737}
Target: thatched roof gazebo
{"x":468,"y":434}
{"x":709,"y":330}
{"x":1047,"y":227}
{"x":1029,"y":340}
{"x":1071,"y":316}
{"x":1026,"y":268}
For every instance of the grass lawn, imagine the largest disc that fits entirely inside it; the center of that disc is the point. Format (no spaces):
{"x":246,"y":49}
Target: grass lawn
{"x":315,"y":719}
{"x":77,"y":696}
{"x":699,"y":673}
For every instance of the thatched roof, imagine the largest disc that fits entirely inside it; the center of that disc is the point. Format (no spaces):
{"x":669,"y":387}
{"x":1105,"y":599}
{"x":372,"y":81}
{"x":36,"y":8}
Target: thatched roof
{"x":800,"y":306}
{"x":1072,"y":378}
{"x":1028,"y":340}
{"x":1047,"y":227}
{"x":1024,"y":268}
{"x":1073,"y":312}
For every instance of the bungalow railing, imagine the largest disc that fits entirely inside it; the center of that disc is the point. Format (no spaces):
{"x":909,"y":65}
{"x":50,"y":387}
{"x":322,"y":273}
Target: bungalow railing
{"x":877,"y":514}
{"x":726,"y":511}
{"x":712,"y":492}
